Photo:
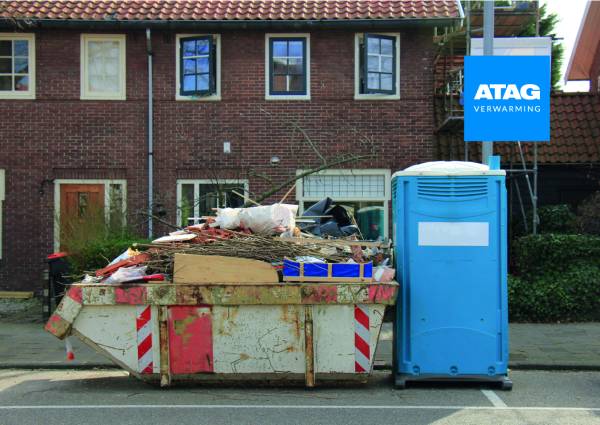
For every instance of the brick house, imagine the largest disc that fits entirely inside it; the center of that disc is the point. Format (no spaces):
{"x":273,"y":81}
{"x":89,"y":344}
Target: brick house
{"x":233,"y":86}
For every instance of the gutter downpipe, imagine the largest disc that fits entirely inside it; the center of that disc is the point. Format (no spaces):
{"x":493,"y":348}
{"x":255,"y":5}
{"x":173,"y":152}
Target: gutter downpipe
{"x":150,"y":133}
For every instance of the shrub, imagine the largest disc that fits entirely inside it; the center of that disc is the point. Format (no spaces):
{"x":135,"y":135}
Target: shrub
{"x":537,"y":255}
{"x":97,"y":253}
{"x":553,"y":219}
{"x":567,"y":296}
{"x":589,"y":214}
{"x":93,"y":240}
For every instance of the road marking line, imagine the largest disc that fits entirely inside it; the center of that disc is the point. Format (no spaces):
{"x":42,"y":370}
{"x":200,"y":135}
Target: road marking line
{"x":493,"y":398}
{"x":297,"y":407}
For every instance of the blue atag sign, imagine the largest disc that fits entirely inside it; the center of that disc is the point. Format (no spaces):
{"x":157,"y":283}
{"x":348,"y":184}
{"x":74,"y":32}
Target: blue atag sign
{"x":507,"y":98}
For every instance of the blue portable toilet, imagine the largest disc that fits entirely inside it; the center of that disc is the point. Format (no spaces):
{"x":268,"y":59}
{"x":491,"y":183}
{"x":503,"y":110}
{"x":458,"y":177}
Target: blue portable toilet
{"x":451,"y":256}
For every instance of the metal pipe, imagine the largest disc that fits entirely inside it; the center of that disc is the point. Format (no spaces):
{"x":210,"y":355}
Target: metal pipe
{"x":150,"y":134}
{"x":487,"y":147}
{"x":468,"y":52}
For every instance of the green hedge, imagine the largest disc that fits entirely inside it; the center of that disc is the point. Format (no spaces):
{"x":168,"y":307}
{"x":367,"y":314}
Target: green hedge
{"x":535,"y":255}
{"x":555,"y":278}
{"x":570,"y":296}
{"x":96,"y":254}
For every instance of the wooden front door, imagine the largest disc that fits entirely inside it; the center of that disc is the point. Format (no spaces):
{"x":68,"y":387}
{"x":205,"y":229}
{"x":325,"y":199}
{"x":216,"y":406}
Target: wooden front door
{"x":81,"y":211}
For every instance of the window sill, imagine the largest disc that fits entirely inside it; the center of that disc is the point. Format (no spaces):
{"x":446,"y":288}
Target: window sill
{"x":376,"y":96}
{"x":103,"y":97}
{"x":17,"y":96}
{"x":287,"y":97}
{"x":212,"y":98}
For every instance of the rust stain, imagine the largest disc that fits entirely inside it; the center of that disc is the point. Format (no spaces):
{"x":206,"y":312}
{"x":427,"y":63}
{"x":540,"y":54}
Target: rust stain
{"x":180,"y":328}
{"x":320,"y":294}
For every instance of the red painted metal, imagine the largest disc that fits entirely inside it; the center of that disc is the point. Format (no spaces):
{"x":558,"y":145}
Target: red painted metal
{"x":319,"y":294}
{"x":135,"y":295}
{"x":190,"y":339}
{"x":76,"y":294}
{"x":379,"y":293}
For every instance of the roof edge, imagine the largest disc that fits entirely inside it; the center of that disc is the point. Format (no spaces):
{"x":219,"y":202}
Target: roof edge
{"x":22,"y":23}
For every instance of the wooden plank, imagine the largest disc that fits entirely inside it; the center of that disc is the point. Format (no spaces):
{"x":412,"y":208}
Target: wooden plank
{"x":216,"y":269}
{"x":16,"y":295}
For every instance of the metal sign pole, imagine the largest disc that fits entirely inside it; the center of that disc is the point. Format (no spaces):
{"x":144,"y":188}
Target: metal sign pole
{"x":487,"y":147}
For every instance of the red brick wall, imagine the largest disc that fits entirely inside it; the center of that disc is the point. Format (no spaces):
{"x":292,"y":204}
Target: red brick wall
{"x":60,"y":136}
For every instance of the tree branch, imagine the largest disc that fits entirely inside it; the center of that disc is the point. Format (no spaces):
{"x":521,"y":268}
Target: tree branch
{"x":322,"y":167}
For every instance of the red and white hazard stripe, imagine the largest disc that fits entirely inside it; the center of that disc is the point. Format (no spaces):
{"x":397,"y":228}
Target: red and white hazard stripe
{"x":144,"y":338}
{"x":362,"y":339}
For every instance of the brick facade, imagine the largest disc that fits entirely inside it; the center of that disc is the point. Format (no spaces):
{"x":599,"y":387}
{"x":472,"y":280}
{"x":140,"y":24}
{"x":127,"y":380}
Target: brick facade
{"x":59,"y":136}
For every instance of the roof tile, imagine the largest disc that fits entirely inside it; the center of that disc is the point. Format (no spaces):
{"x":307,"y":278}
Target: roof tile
{"x":210,"y":10}
{"x":574,"y":133}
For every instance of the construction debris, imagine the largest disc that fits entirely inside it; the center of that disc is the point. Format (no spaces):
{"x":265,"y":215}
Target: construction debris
{"x":267,"y":234}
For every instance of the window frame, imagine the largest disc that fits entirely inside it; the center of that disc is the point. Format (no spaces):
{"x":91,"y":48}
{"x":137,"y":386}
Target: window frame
{"x":217,"y":71}
{"x":196,"y":183}
{"x":358,"y":37}
{"x":29,"y":94}
{"x":385,"y":199}
{"x":269,"y":94}
{"x":107,"y":204}
{"x":86,"y":94}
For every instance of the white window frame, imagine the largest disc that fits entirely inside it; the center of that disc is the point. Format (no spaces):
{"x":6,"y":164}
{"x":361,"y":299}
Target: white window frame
{"x":29,"y":94}
{"x":269,"y":96}
{"x":196,"y":182}
{"x":349,"y":172}
{"x":2,"y":193}
{"x":105,"y":182}
{"x":212,"y":97}
{"x":375,"y":96}
{"x":85,"y":93}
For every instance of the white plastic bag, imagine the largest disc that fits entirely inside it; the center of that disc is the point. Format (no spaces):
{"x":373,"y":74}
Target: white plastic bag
{"x":227,"y":218}
{"x":126,"y":274}
{"x":269,"y":219}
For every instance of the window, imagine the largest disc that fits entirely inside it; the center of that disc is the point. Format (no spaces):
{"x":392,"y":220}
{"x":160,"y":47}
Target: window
{"x":197,"y":198}
{"x":103,"y":67}
{"x":198,"y":67}
{"x":367,"y":192}
{"x":17,"y":66}
{"x":287,"y":65}
{"x":377,"y":66}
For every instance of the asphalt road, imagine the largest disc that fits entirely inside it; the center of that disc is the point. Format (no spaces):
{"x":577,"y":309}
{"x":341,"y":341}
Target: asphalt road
{"x":112,"y":397}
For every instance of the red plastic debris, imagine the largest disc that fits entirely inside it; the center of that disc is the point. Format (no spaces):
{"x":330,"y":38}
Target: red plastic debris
{"x":133,"y":261}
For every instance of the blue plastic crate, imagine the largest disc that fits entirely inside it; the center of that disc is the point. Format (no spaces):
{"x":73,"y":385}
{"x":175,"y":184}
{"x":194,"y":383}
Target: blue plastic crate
{"x":321,"y":272}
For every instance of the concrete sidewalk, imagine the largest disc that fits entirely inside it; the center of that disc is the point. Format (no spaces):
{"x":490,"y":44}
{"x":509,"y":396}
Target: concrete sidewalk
{"x":532,"y":346}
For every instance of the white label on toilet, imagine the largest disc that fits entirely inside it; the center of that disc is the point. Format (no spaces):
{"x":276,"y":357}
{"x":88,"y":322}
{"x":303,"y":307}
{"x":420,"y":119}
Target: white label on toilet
{"x":463,"y":233}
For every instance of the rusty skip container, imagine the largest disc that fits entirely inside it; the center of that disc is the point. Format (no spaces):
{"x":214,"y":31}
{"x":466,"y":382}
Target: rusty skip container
{"x":166,"y":332}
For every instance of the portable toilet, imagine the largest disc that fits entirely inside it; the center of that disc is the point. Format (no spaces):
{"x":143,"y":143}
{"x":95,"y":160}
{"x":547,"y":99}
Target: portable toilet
{"x":451,"y":256}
